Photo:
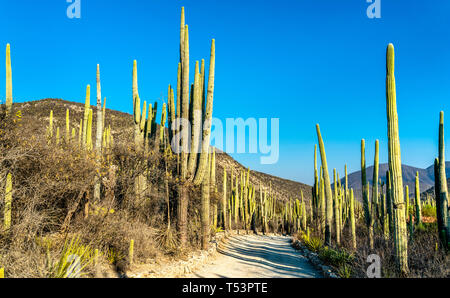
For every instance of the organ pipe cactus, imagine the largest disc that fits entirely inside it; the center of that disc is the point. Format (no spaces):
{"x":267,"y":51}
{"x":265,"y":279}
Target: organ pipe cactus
{"x":206,"y":188}
{"x":352,"y":218}
{"x":417,"y":201}
{"x":375,"y":192}
{"x":407,"y":200}
{"x":395,"y":167}
{"x":440,"y":213}
{"x":9,"y":96}
{"x":336,"y":210}
{"x":328,"y":194}
{"x":443,"y":190}
{"x":8,"y":203}
{"x":67,"y":126}
{"x":365,"y":195}
{"x":224,"y":201}
{"x":98,"y":139}
{"x":87,"y":107}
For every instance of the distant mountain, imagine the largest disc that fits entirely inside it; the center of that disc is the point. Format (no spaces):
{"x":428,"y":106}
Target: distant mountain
{"x":426,"y":177}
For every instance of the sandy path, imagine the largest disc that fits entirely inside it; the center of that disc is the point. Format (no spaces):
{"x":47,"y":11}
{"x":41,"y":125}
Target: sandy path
{"x":251,"y":256}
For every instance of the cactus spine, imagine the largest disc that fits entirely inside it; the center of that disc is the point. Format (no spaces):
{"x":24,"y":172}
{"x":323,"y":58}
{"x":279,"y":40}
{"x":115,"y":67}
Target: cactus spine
{"x":9,"y":97}
{"x":328,"y":194}
{"x":395,"y":166}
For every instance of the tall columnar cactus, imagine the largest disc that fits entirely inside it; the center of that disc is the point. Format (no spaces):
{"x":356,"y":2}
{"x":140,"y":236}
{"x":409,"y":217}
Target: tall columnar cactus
{"x":328,"y":193}
{"x":89,"y":131}
{"x":140,"y":116}
{"x":224,"y":201}
{"x":131,"y":252}
{"x":336,"y":210}
{"x":8,"y":203}
{"x":407,"y":201}
{"x":375,"y":191}
{"x":440,"y":213}
{"x":395,"y":167}
{"x":98,"y":139}
{"x":352,"y":218}
{"x":67,"y":126}
{"x":87,"y":107}
{"x":50,"y":127}
{"x":417,"y":201}
{"x":206,"y":188}
{"x":9,"y":96}
{"x":443,"y":197}
{"x":365,"y":195}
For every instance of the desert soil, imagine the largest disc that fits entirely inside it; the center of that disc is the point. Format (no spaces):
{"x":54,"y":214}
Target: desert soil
{"x":254,"y":256}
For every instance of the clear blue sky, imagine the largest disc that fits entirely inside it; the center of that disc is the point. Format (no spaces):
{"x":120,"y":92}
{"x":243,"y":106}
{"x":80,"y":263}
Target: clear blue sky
{"x":303,"y":61}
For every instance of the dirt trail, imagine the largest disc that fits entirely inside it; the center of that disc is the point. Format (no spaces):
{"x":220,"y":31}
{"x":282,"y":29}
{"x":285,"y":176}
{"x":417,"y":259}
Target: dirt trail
{"x":252,"y":256}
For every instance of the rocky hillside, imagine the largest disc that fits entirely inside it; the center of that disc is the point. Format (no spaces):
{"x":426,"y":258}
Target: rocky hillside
{"x":35,"y":115}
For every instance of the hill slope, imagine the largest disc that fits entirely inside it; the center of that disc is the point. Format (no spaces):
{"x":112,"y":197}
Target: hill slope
{"x":426,"y":177}
{"x":36,"y":115}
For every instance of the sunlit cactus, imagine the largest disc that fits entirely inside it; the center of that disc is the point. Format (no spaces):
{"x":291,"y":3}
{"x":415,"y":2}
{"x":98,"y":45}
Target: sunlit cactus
{"x":395,"y":167}
{"x":9,"y":96}
{"x":327,"y":185}
{"x":417,"y":201}
{"x":7,"y":204}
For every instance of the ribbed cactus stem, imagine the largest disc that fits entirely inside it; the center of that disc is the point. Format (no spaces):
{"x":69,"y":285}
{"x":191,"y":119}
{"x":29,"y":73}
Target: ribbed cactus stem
{"x":375,"y":191}
{"x":443,"y":197}
{"x":57,"y":136}
{"x":87,"y":107}
{"x":328,"y":193}
{"x":208,"y":117}
{"x":8,"y":203}
{"x":365,"y":194}
{"x":131,"y":252}
{"x":336,"y":210}
{"x":224,"y":200}
{"x":395,"y":167}
{"x":205,"y":206}
{"x":185,"y":104}
{"x":50,"y":127}
{"x":98,"y":139}
{"x":407,"y":201}
{"x":352,"y":218}
{"x":196,"y":124}
{"x":89,"y":131}
{"x":9,"y":96}
{"x":417,"y":201}
{"x":67,"y":126}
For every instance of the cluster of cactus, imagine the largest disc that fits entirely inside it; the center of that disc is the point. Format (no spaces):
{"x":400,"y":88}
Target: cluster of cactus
{"x":386,"y":209}
{"x":339,"y":205}
{"x":243,"y":200}
{"x":194,"y":105}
